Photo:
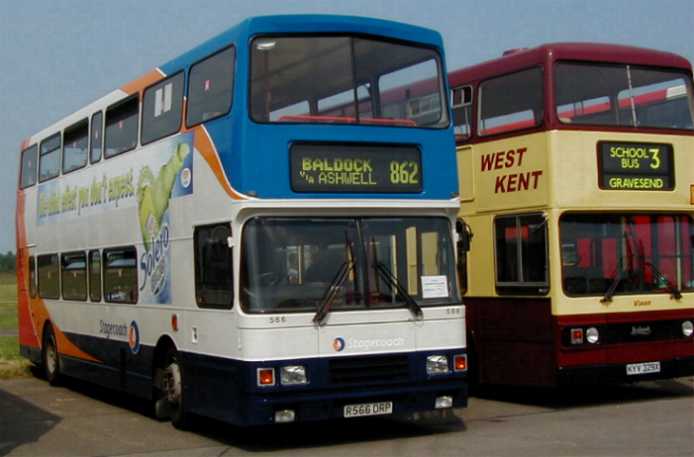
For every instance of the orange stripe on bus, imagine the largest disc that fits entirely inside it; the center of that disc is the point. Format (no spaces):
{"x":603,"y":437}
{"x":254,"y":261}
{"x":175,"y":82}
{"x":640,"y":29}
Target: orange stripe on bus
{"x":33,"y":310}
{"x":143,"y":81}
{"x":204,"y":145}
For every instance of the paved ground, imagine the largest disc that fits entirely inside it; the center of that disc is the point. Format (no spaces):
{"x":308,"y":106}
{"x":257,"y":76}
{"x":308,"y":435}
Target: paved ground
{"x":647,"y":419}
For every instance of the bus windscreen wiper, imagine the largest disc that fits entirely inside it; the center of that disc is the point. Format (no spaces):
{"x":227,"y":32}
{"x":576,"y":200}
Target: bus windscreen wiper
{"x":393,"y":282}
{"x":331,"y":292}
{"x":609,"y":293}
{"x":671,"y":287}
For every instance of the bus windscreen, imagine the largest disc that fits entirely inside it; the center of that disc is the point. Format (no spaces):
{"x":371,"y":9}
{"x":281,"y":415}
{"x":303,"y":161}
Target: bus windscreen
{"x":623,"y":96}
{"x":346,"y":80}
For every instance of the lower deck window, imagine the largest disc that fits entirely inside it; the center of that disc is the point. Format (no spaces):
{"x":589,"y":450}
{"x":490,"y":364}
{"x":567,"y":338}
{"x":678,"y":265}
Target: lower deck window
{"x":632,"y":253}
{"x":521,"y":254}
{"x":74,"y":276}
{"x":49,"y":280}
{"x":95,"y":276}
{"x":120,"y":275}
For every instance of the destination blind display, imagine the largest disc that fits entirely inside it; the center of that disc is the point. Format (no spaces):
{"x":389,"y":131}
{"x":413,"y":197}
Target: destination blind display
{"x":636,"y":166}
{"x":358,"y":169}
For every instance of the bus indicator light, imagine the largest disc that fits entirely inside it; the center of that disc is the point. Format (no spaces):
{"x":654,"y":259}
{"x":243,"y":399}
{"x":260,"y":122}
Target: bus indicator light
{"x":691,"y":194}
{"x":174,"y":322}
{"x":266,"y":377}
{"x":576,"y":336}
{"x":460,"y":362}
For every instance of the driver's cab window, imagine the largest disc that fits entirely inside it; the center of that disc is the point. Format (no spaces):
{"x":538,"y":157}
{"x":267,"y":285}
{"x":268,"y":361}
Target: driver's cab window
{"x":214,"y":274}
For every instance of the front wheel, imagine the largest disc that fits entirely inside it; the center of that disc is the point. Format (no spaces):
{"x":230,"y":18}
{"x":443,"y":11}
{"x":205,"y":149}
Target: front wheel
{"x":50,"y":358}
{"x":172,"y":387}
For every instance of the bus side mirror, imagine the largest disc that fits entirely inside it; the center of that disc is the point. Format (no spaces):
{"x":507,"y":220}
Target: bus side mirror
{"x":464,"y":236}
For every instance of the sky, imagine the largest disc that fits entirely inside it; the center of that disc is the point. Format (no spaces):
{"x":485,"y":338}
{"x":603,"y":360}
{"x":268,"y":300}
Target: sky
{"x":59,"y":56}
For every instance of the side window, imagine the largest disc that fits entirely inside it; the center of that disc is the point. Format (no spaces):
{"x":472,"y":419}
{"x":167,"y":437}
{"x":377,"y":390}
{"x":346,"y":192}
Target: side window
{"x":210,"y":87}
{"x":73,"y":275}
{"x":96,"y":142}
{"x":511,"y":102}
{"x":521,"y":254}
{"x":95,"y":276}
{"x":462,"y":109}
{"x":75,"y":141}
{"x":32,"y":277}
{"x":120,"y":275}
{"x":28,"y":173}
{"x":49,"y":281}
{"x":49,"y":162}
{"x":161,"y":109}
{"x":121,"y":127}
{"x":214,"y":274}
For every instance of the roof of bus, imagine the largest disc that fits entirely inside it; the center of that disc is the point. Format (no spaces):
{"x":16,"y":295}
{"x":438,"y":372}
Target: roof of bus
{"x":518,"y":59}
{"x":277,"y":24}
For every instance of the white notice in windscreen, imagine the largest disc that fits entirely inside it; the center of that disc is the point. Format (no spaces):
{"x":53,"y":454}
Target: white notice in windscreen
{"x":434,"y":286}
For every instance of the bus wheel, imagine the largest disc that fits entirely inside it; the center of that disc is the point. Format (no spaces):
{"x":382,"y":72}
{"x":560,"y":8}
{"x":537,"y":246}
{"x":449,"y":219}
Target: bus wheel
{"x":50,"y":357}
{"x":172,"y":386}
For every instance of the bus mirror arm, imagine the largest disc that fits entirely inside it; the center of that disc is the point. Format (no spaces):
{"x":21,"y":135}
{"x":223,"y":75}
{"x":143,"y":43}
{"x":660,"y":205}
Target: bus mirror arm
{"x":464,"y":236}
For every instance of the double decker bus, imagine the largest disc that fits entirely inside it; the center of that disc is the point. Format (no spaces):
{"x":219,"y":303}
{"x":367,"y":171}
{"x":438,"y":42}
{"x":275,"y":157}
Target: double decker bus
{"x":212,"y":238}
{"x":577,"y":184}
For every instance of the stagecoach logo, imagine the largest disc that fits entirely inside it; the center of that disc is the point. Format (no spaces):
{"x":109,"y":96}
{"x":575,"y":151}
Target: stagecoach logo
{"x":134,"y":337}
{"x":338,"y":344}
{"x":640,"y":330}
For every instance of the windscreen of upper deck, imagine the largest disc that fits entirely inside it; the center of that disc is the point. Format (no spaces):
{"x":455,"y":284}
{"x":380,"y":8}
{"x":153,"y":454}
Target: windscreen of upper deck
{"x":619,"y":95}
{"x":346,"y":80}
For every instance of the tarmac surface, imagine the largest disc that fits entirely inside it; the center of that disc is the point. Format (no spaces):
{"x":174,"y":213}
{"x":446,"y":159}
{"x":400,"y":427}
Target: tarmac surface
{"x":643,"y":419}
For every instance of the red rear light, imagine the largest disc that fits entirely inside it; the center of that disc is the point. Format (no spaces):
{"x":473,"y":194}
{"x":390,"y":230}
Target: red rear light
{"x":576,"y":336}
{"x":460,"y":362}
{"x":266,"y":376}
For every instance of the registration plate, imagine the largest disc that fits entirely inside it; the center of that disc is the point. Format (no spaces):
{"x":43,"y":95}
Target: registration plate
{"x":643,"y":368}
{"x":368,"y":409}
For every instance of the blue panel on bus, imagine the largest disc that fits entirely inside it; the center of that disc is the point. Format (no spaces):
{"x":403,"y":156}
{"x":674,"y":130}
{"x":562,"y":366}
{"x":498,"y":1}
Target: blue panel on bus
{"x":256,"y":156}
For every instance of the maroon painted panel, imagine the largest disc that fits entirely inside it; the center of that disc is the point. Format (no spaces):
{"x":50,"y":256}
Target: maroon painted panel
{"x":513,"y":339}
{"x":593,"y":52}
{"x":623,"y":352}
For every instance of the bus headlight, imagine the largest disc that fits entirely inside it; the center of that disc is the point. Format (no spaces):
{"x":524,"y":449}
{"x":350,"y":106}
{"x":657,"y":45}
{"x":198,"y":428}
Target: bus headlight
{"x":687,"y":328}
{"x":592,"y":335}
{"x":437,"y":364}
{"x":293,"y":375}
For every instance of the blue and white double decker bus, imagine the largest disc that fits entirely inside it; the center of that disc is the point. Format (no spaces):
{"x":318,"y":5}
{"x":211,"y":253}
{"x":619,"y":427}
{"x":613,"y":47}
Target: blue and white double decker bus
{"x":261,"y":230}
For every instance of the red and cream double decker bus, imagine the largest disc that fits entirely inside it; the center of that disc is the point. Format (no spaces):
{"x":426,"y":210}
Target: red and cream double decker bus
{"x":576,"y":166}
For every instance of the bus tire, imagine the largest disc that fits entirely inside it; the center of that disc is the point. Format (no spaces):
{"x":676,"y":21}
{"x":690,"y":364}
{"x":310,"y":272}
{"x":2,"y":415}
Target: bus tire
{"x":173,"y":391}
{"x":50,"y":358}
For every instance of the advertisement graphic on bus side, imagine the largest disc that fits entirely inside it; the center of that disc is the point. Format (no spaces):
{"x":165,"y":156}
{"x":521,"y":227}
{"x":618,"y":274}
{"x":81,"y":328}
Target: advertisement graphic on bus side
{"x":164,"y":171}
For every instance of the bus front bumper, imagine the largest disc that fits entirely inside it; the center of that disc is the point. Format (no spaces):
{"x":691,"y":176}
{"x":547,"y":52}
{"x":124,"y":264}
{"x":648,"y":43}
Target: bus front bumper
{"x":312,"y":406}
{"x":618,"y":373}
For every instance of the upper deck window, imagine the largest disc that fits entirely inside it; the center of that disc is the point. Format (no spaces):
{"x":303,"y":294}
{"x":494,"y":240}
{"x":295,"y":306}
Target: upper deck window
{"x":49,"y":162}
{"x":121,"y":127}
{"x":75,"y":141}
{"x":210,"y":87}
{"x":342,"y":79}
{"x":623,"y":96}
{"x":161,"y":109}
{"x":28,"y":174}
{"x":96,"y":142}
{"x":511,"y":102}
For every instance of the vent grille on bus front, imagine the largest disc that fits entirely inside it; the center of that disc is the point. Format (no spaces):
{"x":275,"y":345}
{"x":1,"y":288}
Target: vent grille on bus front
{"x":369,"y":369}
